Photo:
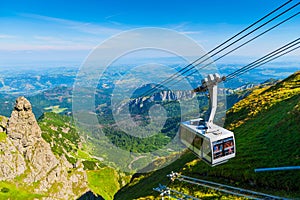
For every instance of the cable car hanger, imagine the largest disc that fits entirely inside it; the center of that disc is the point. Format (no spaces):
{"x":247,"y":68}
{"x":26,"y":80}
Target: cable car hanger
{"x":211,"y":84}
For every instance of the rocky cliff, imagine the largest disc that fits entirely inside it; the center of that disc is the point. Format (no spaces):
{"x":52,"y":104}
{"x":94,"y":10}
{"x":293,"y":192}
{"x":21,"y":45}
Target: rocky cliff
{"x":145,"y":102}
{"x":26,"y":158}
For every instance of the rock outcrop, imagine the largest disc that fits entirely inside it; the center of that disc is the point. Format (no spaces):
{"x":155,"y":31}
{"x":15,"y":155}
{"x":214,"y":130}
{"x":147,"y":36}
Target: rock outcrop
{"x":23,"y":128}
{"x":24,"y":152}
{"x":163,"y":96}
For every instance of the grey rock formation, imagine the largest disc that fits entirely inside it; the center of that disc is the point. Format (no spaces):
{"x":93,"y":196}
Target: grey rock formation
{"x":172,"y":95}
{"x":12,"y":162}
{"x":26,"y":153}
{"x":23,"y":128}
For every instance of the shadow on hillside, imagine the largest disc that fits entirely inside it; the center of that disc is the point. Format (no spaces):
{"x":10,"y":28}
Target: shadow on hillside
{"x":148,"y":181}
{"x":90,"y":196}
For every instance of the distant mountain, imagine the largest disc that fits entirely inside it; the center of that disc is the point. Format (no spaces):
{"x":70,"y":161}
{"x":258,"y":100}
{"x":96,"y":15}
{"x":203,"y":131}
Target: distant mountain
{"x":29,"y":82}
{"x":51,"y":90}
{"x":57,"y":99}
{"x":266,"y":125}
{"x":142,"y":104}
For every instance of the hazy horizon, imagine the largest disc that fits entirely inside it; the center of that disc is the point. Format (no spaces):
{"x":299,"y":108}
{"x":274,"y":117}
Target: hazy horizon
{"x":36,"y":34}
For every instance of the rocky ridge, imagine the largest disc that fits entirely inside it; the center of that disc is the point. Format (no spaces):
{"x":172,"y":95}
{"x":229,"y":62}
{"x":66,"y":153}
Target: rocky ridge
{"x":165,"y":95}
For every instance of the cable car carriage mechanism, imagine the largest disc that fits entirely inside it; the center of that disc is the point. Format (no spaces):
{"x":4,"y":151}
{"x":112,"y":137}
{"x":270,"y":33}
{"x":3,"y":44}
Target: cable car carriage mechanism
{"x":210,"y":142}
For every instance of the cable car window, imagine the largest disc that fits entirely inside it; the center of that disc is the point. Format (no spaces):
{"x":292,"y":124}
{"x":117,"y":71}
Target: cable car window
{"x":223,"y":147}
{"x":206,"y":150}
{"x":228,"y":146}
{"x":197,"y":143}
{"x":218,"y":149}
{"x":186,"y":136}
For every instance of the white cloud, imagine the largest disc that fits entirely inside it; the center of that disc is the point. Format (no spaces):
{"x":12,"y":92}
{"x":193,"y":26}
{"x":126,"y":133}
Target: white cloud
{"x":112,"y":21}
{"x":50,"y":33}
{"x":67,"y":41}
{"x":32,"y":47}
{"x":5,"y":36}
{"x":83,"y":27}
{"x":51,"y":40}
{"x":190,"y":32}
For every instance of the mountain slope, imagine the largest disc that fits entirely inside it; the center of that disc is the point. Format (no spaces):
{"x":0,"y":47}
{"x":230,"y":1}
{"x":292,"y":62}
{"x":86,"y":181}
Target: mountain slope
{"x":262,"y":99}
{"x":50,"y":159}
{"x":266,"y":126}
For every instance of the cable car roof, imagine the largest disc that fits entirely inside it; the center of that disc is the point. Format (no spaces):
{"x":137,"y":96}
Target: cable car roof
{"x":216,"y":133}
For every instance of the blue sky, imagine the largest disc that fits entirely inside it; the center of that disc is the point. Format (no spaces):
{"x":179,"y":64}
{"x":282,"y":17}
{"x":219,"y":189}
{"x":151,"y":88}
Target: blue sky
{"x":36,"y":33}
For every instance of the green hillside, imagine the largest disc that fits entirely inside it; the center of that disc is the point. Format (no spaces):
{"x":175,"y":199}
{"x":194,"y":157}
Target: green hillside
{"x":266,"y":126}
{"x":64,"y":138}
{"x":60,"y":132}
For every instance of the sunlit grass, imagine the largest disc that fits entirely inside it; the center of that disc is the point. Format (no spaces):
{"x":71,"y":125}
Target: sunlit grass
{"x":55,"y":109}
{"x":11,"y":191}
{"x":103,"y":182}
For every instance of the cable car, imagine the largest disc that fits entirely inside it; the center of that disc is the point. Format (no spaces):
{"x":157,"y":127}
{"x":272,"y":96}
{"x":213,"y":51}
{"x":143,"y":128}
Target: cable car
{"x":214,"y":147}
{"x":210,"y":142}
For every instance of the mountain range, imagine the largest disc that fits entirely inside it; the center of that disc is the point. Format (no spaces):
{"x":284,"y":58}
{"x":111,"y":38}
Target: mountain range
{"x":49,"y":158}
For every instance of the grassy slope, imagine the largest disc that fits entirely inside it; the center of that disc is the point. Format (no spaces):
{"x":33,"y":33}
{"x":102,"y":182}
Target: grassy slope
{"x":266,"y":125}
{"x":104,"y":182}
{"x":2,"y":136}
{"x":61,"y":133}
{"x":64,"y":137}
{"x":11,"y":191}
